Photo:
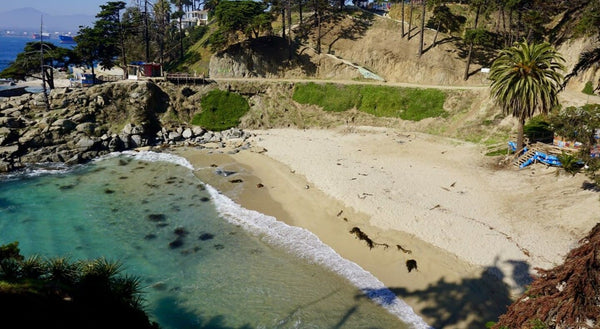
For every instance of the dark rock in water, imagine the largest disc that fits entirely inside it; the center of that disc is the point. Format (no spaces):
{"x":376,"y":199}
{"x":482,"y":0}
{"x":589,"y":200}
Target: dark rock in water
{"x":205,"y":236}
{"x":204,"y":199}
{"x":115,"y":210}
{"x":150,"y":236}
{"x":123,"y":162}
{"x":236,"y":181}
{"x":176,"y":243}
{"x":161,"y":225}
{"x":157,"y":217}
{"x":219,"y":246}
{"x":181,"y":231}
{"x":145,"y":201}
{"x":109,"y":191}
{"x":67,"y":187}
{"x":411,"y":264}
{"x":123,"y":177}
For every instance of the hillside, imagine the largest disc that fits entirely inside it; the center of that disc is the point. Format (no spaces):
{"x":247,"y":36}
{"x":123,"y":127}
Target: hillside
{"x":375,"y":43}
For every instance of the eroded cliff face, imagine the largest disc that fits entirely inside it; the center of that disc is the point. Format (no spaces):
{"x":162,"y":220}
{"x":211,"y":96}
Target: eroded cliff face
{"x":269,"y":58}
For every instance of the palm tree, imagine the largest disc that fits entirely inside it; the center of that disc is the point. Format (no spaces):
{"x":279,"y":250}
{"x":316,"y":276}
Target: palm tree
{"x":525,"y":80}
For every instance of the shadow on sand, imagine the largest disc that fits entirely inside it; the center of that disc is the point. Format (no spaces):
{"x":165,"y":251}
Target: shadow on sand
{"x":470,"y":303}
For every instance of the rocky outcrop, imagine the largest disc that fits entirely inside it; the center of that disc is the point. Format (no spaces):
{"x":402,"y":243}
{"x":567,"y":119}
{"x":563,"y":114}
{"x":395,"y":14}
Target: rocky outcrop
{"x":86,"y":123}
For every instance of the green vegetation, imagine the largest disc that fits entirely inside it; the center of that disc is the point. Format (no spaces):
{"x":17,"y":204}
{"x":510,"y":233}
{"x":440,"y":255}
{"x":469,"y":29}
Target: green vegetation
{"x":580,"y":124}
{"x":381,"y":101}
{"x":588,"y":89}
{"x":330,"y":97}
{"x":538,"y":129}
{"x":59,"y":293}
{"x":525,"y":80}
{"x":221,"y":110}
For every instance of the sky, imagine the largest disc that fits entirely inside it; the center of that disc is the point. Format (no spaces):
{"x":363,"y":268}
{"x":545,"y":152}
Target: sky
{"x":56,"y":7}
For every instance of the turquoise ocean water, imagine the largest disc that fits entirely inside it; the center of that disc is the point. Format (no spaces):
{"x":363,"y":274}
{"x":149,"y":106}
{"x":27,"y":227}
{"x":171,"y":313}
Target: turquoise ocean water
{"x":204,"y":261}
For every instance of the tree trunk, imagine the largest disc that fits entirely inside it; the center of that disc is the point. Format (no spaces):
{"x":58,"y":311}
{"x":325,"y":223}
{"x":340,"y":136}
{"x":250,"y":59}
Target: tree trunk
{"x":470,"y":55}
{"x":466,"y":76}
{"x":410,"y":14}
{"x":422,"y":28}
{"x":402,"y":27}
{"x":300,"y":10}
{"x":520,"y":135}
{"x":180,"y":39}
{"x":283,"y":21}
{"x":289,"y":17}
{"x":318,"y":31}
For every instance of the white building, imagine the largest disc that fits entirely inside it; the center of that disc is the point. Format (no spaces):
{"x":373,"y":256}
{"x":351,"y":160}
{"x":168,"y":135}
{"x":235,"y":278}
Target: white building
{"x":194,"y":18}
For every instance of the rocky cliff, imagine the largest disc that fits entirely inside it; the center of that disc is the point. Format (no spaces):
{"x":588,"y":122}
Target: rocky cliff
{"x":86,"y":123}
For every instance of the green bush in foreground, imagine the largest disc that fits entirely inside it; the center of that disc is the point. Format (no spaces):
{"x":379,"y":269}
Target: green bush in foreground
{"x":58,"y":293}
{"x":382,"y":101}
{"x":221,"y":110}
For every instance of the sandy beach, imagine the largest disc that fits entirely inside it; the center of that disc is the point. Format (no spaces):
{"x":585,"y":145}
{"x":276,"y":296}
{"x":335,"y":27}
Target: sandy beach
{"x":476,"y":231}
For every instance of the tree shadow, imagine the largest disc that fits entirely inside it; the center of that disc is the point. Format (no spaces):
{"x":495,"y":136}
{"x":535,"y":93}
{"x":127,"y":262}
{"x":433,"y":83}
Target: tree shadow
{"x":472,"y":302}
{"x":171,"y":315}
{"x":351,"y":29}
{"x":268,"y":56}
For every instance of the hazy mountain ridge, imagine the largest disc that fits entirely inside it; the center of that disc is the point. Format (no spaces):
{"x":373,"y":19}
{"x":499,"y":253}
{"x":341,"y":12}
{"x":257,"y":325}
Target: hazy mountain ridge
{"x":28,"y":19}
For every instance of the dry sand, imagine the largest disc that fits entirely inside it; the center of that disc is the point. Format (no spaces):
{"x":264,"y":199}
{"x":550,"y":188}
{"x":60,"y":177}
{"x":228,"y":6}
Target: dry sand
{"x":466,"y":223}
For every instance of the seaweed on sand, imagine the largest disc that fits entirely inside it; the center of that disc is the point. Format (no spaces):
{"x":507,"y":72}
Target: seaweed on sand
{"x":362,"y":236}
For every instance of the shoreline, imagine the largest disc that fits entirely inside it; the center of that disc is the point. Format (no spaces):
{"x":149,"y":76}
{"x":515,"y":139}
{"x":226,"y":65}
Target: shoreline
{"x":285,"y":196}
{"x":490,"y":243}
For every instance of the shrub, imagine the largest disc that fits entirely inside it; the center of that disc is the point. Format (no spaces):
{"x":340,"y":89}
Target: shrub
{"x":538,"y":129}
{"x":588,"y":89}
{"x":221,"y":110}
{"x":330,"y":97}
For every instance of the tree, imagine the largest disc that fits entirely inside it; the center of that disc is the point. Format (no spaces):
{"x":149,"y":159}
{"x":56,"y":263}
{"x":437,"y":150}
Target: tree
{"x":402,"y":25}
{"x":581,"y":124}
{"x":410,"y":16}
{"x":162,"y":13}
{"x":27,"y":63}
{"x":248,"y":17}
{"x":421,"y":41}
{"x":179,"y":16}
{"x":89,"y":45}
{"x":113,"y":32}
{"x":444,"y":21}
{"x":525,"y":80}
{"x":477,"y":4}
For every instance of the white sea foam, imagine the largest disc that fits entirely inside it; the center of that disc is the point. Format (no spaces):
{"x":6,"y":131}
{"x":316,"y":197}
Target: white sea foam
{"x":307,"y":245}
{"x":151,"y":156}
{"x":37,"y":170}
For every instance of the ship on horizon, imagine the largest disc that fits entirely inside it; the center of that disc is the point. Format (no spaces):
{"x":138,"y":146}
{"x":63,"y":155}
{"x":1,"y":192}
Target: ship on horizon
{"x":38,"y":36}
{"x":66,"y":38}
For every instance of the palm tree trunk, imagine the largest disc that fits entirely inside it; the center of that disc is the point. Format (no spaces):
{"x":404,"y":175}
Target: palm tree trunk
{"x":422,"y":28}
{"x":520,"y":134}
